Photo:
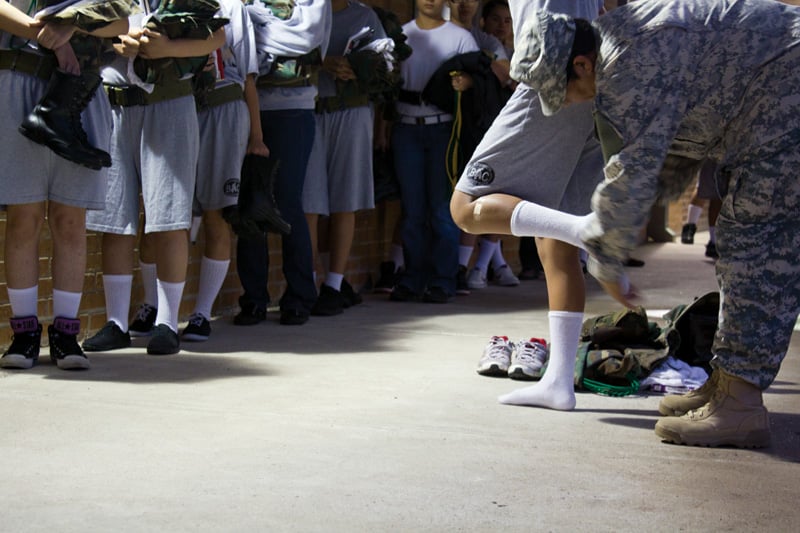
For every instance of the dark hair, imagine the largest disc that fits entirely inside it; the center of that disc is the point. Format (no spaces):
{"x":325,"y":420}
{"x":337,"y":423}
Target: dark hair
{"x":489,"y":6}
{"x":585,"y":43}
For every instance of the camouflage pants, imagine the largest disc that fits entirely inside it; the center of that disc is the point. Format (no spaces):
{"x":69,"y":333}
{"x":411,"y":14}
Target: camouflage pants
{"x":758,"y":230}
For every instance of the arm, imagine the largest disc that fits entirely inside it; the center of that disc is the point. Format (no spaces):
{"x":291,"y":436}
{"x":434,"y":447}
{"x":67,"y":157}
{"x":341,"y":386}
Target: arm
{"x":154,"y":45}
{"x":255,"y":143}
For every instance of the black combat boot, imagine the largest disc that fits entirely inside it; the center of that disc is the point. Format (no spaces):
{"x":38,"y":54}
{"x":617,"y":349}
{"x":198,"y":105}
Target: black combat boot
{"x":56,"y":120}
{"x":256,"y":197}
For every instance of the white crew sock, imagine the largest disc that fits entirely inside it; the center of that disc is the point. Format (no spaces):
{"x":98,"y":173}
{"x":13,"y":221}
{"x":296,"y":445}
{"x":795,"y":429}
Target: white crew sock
{"x":693,"y":214}
{"x":556,"y":389}
{"x":117,"y":288}
{"x":396,"y":255}
{"x":712,"y":234}
{"x":169,"y":302}
{"x":149,"y":277}
{"x":464,"y":254}
{"x":485,"y":252}
{"x":66,"y":304}
{"x":534,"y":220}
{"x":212,"y":276}
{"x":334,"y":280}
{"x":24,"y":302}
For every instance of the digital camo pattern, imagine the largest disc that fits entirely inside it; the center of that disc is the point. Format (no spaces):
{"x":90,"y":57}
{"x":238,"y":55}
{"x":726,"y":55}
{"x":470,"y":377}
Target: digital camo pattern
{"x":716,"y":79}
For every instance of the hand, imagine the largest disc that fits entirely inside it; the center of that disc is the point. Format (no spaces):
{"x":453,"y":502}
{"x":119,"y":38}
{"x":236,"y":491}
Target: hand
{"x":67,"y":61}
{"x":257,"y":147}
{"x":339,"y":67}
{"x":128,"y":45}
{"x":153,"y":45}
{"x":53,"y":36}
{"x":461,"y":82}
{"x":622,"y":291}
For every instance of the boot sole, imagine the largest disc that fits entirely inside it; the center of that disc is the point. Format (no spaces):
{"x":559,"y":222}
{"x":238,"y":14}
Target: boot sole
{"x":56,"y":148}
{"x":753,"y":439}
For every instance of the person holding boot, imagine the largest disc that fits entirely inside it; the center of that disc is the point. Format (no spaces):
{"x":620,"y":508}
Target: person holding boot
{"x":56,"y":120}
{"x":657,"y":121}
{"x":36,"y":187}
{"x":155,"y":145}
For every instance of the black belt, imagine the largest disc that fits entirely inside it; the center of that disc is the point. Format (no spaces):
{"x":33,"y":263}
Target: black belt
{"x":411,"y":97}
{"x":129,"y":95}
{"x":331,"y":104}
{"x":223,"y":95}
{"x":38,"y":65}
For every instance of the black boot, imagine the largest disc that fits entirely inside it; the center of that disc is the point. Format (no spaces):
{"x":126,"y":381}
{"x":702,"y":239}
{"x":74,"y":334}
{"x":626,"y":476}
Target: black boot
{"x":256,"y":199}
{"x":56,"y":120}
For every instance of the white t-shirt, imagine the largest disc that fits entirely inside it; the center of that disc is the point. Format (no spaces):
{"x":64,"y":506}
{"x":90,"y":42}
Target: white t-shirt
{"x":238,"y":54}
{"x":430,"y":48}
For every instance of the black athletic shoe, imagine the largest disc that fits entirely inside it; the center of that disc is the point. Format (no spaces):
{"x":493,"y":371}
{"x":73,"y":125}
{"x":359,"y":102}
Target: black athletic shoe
{"x":250,"y":315}
{"x":687,"y":233}
{"x":329,"y":302}
{"x":164,"y":341}
{"x":64,"y":349}
{"x":24,"y":350}
{"x":711,"y":250}
{"x":198,"y":329}
{"x":293,"y":317}
{"x":110,"y":337}
{"x":435,"y":295}
{"x":349,"y":296}
{"x":462,"y":287}
{"x":387,"y":278}
{"x":401,"y":293}
{"x":142,"y":325}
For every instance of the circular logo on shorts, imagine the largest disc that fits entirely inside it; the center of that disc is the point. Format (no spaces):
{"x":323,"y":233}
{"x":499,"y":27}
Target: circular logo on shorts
{"x":480,"y":174}
{"x":231,"y":188}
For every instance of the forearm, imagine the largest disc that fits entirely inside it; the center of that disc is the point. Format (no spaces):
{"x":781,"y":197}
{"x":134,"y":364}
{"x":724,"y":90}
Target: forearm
{"x":251,"y":99}
{"x":167,"y":47}
{"x":14,"y":21}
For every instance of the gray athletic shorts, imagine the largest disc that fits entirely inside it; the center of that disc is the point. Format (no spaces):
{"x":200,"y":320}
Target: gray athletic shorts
{"x":32,"y":173}
{"x":708,"y":186}
{"x":339,"y":175}
{"x":153,"y":148}
{"x":552,"y":161}
{"x":224,"y":131}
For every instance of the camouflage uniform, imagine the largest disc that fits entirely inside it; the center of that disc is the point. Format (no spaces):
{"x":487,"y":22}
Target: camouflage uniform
{"x":691,"y":79}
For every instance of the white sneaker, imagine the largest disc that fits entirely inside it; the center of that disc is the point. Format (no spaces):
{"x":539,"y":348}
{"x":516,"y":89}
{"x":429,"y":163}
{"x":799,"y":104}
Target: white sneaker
{"x":505,"y":278}
{"x":476,"y":279}
{"x":528,"y":360}
{"x":496,"y":357}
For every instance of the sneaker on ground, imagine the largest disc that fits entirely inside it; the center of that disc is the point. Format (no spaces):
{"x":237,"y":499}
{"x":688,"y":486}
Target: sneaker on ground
{"x":24,"y":350}
{"x":64,"y":349}
{"x":329,"y":302}
{"x":496,"y":357}
{"x":250,"y":314}
{"x":349,"y":296}
{"x":528,"y":360}
{"x":143,"y":322}
{"x":110,"y":337}
{"x":505,"y":278}
{"x":687,"y":233}
{"x":435,"y":295}
{"x":462,"y":288}
{"x":387,"y":277}
{"x":198,"y":329}
{"x":476,"y":279}
{"x":711,"y":250}
{"x":164,"y":341}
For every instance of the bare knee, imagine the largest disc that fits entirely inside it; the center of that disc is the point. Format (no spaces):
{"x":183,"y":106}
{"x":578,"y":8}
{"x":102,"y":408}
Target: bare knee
{"x":462,"y":209}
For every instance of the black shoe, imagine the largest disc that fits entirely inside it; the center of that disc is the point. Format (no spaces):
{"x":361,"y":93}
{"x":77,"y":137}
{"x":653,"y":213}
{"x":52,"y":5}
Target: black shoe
{"x":632,"y":262}
{"x":462,"y":287}
{"x":687,"y":233}
{"x":250,"y":315}
{"x":711,"y":250}
{"x":110,"y":337}
{"x":527,"y":274}
{"x":24,"y":350}
{"x":387,"y":278}
{"x":143,"y":322}
{"x":198,"y":329}
{"x":293,"y":317}
{"x":435,"y":295}
{"x":401,"y":293}
{"x":349,"y":295}
{"x":164,"y":341}
{"x":64,"y":349}
{"x":329,"y":302}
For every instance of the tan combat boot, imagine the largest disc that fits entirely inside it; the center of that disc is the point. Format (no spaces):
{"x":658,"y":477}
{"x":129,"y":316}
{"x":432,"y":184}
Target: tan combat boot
{"x":680,"y":404}
{"x":734,"y":416}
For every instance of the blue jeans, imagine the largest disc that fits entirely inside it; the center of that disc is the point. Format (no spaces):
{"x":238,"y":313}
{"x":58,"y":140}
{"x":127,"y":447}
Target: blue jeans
{"x":430,"y":237}
{"x":289,"y":134}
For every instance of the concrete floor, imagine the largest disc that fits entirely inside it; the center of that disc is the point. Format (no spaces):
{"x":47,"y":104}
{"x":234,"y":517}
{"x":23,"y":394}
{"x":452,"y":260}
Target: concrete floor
{"x":375,"y":420}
